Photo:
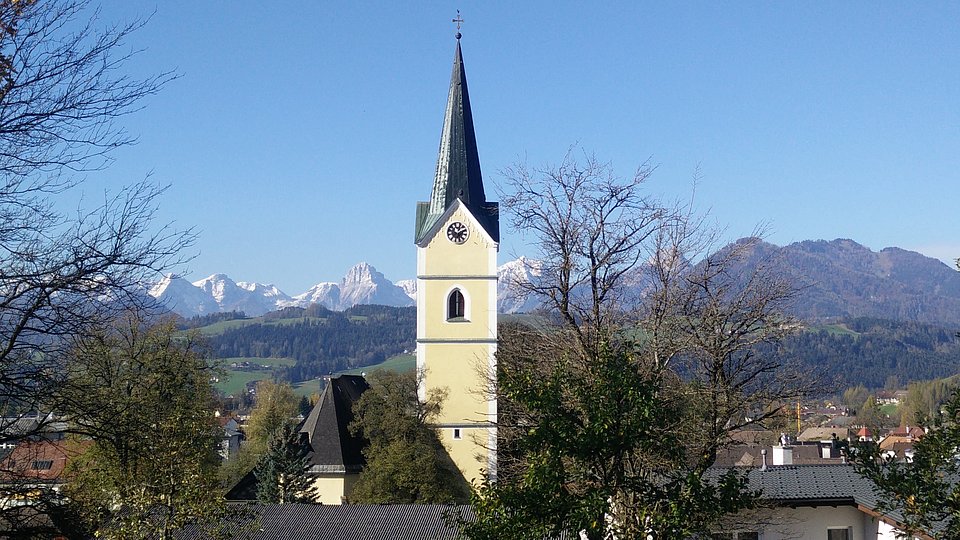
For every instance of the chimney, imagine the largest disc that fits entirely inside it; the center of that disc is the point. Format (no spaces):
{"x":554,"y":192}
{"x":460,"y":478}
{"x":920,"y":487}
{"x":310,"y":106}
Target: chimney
{"x":763,"y":456}
{"x":783,"y":455}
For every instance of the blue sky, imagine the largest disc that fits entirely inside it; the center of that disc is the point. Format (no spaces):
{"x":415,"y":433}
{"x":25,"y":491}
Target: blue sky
{"x":300,"y":136}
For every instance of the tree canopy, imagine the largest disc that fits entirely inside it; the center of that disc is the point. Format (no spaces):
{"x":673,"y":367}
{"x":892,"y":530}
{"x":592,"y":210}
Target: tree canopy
{"x":406,"y":461}
{"x":611,"y":413}
{"x":140,"y":393}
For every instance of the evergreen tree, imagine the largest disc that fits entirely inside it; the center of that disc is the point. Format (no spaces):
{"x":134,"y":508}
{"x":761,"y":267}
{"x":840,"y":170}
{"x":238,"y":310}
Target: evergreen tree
{"x":282,"y":471}
{"x":305,"y":406}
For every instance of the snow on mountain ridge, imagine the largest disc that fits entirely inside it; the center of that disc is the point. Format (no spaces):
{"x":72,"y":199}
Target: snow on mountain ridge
{"x":362,"y":284}
{"x":409,"y":286}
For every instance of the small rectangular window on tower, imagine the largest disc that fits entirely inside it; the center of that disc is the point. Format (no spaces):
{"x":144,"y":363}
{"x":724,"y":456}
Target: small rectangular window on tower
{"x":456,"y":434}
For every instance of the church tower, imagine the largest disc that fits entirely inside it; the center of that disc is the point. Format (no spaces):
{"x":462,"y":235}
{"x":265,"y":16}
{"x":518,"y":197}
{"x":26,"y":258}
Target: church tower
{"x":457,"y":237}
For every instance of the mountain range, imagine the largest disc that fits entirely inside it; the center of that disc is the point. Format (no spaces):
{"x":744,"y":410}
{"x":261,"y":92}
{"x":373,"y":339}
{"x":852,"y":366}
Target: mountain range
{"x":835,"y":279}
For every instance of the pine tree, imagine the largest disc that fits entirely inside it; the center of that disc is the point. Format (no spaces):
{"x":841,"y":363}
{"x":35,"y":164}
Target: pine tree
{"x":282,"y":471}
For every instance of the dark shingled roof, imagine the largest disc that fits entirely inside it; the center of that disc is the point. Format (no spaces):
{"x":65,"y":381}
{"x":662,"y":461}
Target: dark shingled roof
{"x":332,"y":448}
{"x":458,"y":163}
{"x":808,"y":484}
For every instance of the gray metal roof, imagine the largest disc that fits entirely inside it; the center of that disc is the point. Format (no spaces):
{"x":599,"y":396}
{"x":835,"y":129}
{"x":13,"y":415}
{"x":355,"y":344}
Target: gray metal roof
{"x":344,"y":522}
{"x":790,"y":485}
{"x":798,"y":484}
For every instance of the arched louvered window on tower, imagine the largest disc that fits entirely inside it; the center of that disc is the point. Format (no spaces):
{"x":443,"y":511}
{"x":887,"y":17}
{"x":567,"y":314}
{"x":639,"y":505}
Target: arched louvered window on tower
{"x":456,"y":306}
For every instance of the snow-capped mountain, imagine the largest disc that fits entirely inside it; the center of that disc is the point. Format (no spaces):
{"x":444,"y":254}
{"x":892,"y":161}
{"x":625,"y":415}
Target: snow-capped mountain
{"x":362,"y":284}
{"x":409,"y":287}
{"x":326,"y":293}
{"x":247,"y":297}
{"x":511,"y":277}
{"x":183,"y":297}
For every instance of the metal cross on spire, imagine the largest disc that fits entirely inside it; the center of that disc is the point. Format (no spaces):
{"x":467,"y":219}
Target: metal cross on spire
{"x":459,"y":21}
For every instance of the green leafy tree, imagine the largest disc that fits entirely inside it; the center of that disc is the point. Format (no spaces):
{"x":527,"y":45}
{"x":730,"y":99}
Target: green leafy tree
{"x":406,"y":462}
{"x":140,"y":395}
{"x":855,"y":397}
{"x":282,"y":470}
{"x":871,"y":415}
{"x":593,"y":447}
{"x":924,"y":400}
{"x":275,"y":405}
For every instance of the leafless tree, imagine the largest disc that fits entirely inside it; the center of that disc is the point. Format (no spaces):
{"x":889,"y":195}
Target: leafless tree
{"x":590,"y":228}
{"x":62,"y":89}
{"x":650,"y":357}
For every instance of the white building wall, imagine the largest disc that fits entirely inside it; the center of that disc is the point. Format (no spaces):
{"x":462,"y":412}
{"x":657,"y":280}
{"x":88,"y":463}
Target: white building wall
{"x":812,"y":523}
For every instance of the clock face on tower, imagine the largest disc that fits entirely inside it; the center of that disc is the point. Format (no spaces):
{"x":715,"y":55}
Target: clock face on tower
{"x":457,"y":232}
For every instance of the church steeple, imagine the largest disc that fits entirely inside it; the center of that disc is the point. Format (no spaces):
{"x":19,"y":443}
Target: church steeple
{"x":458,"y":173}
{"x":457,"y":237}
{"x":458,"y":163}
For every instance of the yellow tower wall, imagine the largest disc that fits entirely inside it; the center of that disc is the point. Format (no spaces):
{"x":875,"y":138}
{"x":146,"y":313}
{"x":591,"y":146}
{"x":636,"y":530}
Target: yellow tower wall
{"x":458,"y":355}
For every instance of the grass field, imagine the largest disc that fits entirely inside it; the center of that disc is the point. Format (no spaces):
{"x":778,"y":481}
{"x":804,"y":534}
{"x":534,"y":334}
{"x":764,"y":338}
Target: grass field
{"x":891,"y":410}
{"x":399,"y":363}
{"x":234,"y":381}
{"x":835,"y":330}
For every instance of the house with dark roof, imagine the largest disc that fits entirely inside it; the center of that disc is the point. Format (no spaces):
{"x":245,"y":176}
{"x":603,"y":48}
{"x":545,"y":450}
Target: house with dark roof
{"x":335,"y":455}
{"x":831,"y":502}
{"x":798,"y":502}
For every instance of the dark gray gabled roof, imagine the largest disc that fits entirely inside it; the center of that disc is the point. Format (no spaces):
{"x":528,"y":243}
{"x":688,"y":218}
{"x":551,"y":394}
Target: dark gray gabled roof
{"x":333,"y":449}
{"x":458,"y":173}
{"x":812,"y":484}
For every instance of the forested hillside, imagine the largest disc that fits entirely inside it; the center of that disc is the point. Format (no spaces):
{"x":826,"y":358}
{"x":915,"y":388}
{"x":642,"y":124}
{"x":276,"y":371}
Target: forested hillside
{"x":849,"y":352}
{"x":867,"y":351}
{"x":320,"y":340}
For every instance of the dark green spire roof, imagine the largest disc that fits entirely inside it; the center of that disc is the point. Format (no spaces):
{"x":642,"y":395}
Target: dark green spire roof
{"x":458,"y":163}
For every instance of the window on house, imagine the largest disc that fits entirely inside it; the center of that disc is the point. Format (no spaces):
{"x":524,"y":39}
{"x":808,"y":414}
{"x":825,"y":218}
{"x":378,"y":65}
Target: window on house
{"x":742,"y":535}
{"x":457,"y":434}
{"x":455,"y":305}
{"x":839,"y":534}
{"x":42,"y":465}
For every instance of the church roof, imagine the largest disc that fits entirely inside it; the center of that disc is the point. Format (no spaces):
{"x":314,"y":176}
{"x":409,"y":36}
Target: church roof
{"x":458,"y":162}
{"x":333,"y":448}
